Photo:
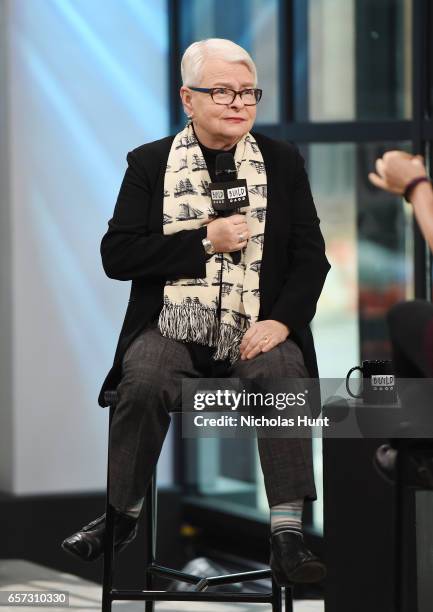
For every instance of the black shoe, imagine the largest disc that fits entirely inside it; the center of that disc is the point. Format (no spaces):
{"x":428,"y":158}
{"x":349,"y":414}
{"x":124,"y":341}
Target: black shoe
{"x":292,"y":562}
{"x":419,"y":468}
{"x":384,"y":460}
{"x":88,"y":543}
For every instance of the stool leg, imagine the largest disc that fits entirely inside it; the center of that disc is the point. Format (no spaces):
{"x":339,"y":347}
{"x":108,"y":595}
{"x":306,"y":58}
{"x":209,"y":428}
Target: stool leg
{"x":276,"y":597}
{"x":107,"y":583}
{"x":151,"y":516}
{"x":399,"y":506}
{"x":288,"y":599}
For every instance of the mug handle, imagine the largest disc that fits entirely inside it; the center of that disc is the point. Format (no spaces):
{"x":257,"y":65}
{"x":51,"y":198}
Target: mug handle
{"x":347,"y":382}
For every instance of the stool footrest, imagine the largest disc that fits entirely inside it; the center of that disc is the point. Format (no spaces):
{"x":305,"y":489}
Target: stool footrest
{"x":135,"y":595}
{"x":203,"y":582}
{"x":169,"y":572}
{"x":208,"y":581}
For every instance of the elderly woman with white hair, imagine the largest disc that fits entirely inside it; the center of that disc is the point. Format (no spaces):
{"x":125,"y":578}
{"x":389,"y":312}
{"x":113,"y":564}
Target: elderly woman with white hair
{"x":167,"y":238}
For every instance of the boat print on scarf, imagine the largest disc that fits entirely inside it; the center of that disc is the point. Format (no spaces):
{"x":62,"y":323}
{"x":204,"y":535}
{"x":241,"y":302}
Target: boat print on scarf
{"x":258,"y":165}
{"x":200,"y":282}
{"x":258,"y":239}
{"x":241,"y":319}
{"x":260,"y":190}
{"x":224,"y":311}
{"x":188,"y":212}
{"x":198,"y":163}
{"x":225,"y":287}
{"x":217,"y":277}
{"x":255,"y":265}
{"x":186,"y":142}
{"x":182,"y":164}
{"x":259,"y":213}
{"x":183,"y":188}
{"x":204,"y":189}
{"x":254,"y":146}
{"x":226,"y":262}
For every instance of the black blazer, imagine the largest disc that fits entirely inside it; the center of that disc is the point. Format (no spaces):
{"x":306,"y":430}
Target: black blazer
{"x":294,"y":265}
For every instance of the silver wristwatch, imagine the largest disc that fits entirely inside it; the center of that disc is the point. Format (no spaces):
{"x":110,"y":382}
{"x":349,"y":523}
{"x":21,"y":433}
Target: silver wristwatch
{"x":208,"y":246}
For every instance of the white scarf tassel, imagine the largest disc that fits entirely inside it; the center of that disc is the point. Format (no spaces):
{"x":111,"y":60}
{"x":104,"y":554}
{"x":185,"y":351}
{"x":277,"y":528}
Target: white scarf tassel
{"x":189,"y":322}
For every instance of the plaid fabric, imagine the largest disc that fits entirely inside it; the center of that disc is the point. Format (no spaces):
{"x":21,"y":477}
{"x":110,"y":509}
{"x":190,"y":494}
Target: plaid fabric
{"x":150,"y":388}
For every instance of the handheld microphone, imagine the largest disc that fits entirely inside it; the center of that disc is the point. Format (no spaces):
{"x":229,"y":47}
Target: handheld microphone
{"x":225,"y":168}
{"x":228,"y":193}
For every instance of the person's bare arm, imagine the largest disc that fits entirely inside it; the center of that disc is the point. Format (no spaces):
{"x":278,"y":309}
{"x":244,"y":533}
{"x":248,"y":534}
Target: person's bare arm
{"x":422,"y":202}
{"x":394,"y":171}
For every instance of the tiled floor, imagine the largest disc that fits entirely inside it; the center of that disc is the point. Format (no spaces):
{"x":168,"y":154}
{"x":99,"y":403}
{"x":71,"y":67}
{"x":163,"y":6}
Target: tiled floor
{"x":19,"y":575}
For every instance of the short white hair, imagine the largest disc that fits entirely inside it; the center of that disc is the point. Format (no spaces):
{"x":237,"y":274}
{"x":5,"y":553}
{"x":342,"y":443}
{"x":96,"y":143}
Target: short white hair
{"x":195,"y":55}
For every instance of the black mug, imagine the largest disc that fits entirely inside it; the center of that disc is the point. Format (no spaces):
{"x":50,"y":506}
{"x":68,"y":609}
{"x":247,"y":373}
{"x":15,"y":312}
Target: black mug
{"x":378,"y":382}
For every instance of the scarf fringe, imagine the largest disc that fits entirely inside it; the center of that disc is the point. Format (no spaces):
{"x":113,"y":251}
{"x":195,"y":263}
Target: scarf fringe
{"x":193,"y":322}
{"x":229,"y":342}
{"x":189,"y":322}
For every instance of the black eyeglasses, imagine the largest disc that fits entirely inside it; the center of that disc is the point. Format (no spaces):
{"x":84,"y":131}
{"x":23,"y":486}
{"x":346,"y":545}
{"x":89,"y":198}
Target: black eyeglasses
{"x":223,"y":95}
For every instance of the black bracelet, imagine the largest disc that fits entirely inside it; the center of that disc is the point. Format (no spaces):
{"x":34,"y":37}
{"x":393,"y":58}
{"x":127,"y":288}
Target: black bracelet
{"x":412,"y":184}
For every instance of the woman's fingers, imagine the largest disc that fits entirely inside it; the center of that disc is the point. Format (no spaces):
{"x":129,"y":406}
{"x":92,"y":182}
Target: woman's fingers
{"x":248,"y":336}
{"x":418,"y":160}
{"x":237,"y":218}
{"x":379,"y":166}
{"x":270,"y":345}
{"x":376,"y":180}
{"x":253,"y":348}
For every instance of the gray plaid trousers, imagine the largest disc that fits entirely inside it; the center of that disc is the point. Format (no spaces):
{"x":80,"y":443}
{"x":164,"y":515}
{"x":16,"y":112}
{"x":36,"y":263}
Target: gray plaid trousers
{"x":151,"y":387}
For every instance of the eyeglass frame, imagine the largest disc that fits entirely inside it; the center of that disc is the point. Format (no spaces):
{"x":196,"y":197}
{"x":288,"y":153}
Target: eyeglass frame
{"x":209,"y":90}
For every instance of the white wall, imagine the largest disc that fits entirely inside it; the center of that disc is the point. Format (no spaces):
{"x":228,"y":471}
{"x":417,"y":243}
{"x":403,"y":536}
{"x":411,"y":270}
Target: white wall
{"x":6,"y":431}
{"x":85,"y":83}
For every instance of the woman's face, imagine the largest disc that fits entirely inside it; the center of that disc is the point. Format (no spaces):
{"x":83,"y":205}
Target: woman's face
{"x":220,"y":126}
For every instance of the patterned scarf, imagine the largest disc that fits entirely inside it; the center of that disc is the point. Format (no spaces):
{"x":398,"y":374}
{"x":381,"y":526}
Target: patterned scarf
{"x":190,"y":310}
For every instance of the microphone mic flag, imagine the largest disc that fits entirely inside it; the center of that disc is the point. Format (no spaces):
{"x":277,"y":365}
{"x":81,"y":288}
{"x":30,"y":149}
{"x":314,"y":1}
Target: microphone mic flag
{"x":228,"y":194}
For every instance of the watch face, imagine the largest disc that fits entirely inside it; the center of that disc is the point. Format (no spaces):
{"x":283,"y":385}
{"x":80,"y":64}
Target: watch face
{"x":208,"y":247}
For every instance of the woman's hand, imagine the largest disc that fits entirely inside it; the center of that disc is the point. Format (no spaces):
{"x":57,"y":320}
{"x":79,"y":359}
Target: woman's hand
{"x":225,"y":233}
{"x":262,"y":336}
{"x":395,"y":170}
